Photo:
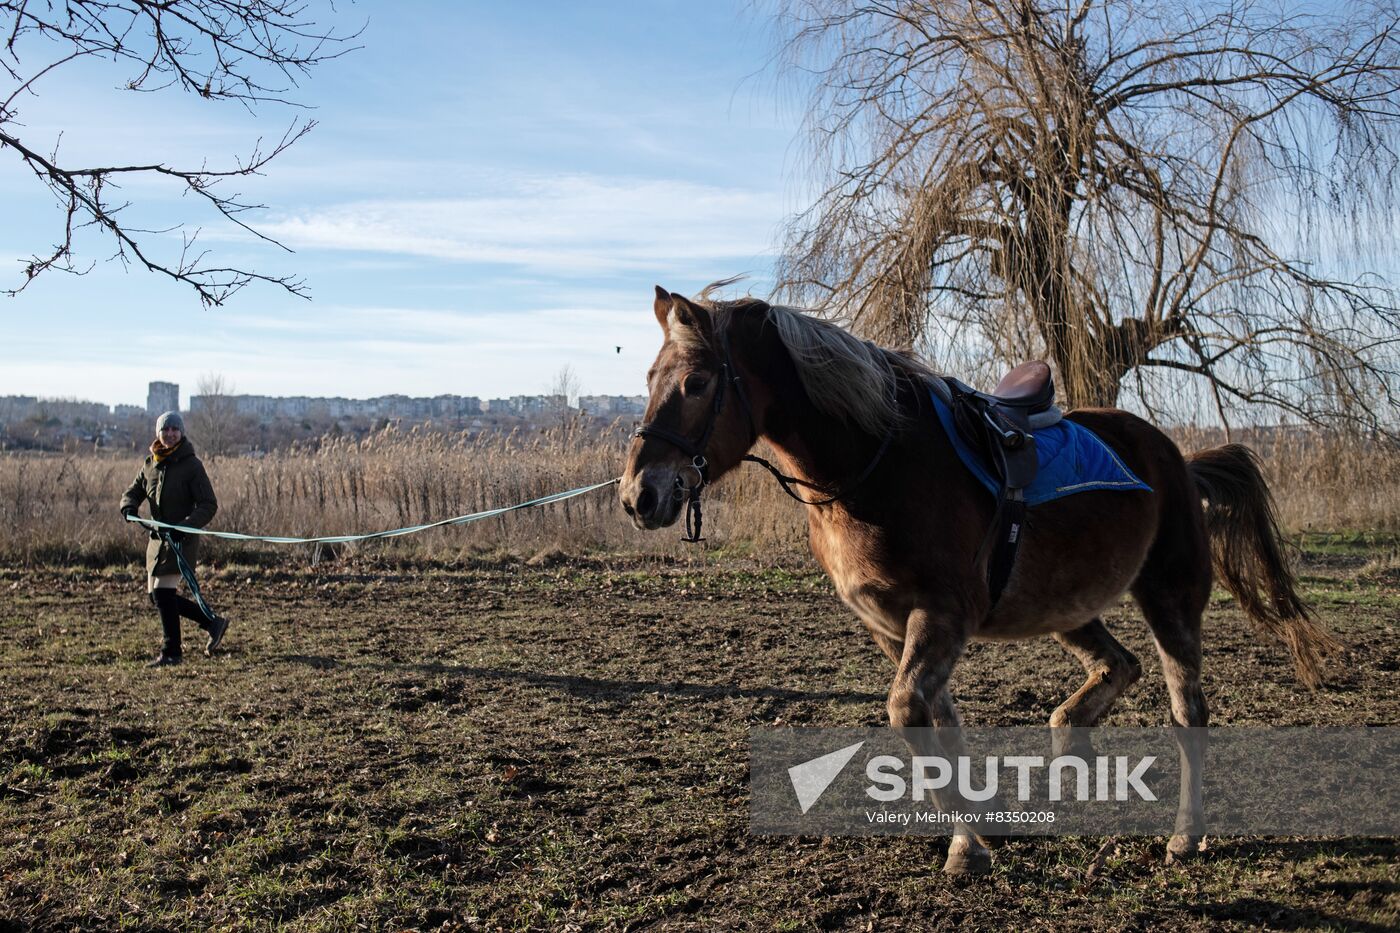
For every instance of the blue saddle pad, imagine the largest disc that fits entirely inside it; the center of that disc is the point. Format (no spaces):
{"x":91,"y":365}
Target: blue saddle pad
{"x":1072,"y":459}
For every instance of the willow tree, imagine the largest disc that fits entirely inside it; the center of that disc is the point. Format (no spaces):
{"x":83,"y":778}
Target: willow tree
{"x":1193,"y":190}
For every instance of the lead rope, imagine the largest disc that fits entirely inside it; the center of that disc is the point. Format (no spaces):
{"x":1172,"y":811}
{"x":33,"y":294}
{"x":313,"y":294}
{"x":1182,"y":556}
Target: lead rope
{"x":187,"y":572}
{"x":155,"y":525}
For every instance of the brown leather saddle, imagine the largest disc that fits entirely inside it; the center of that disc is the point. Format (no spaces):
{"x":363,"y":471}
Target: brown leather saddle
{"x":1000,"y":426}
{"x":1029,"y":386}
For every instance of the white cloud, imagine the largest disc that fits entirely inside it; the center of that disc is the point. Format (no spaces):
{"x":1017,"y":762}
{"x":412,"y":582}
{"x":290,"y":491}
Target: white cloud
{"x":361,"y":352}
{"x":579,"y":225}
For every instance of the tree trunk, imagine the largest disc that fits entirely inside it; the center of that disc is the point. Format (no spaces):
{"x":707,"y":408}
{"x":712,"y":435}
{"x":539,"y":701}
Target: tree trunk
{"x":1092,"y":368}
{"x":1097,"y":387}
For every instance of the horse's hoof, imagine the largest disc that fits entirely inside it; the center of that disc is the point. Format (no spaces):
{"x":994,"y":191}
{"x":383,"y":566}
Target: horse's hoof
{"x":1183,"y":848}
{"x":968,"y":862}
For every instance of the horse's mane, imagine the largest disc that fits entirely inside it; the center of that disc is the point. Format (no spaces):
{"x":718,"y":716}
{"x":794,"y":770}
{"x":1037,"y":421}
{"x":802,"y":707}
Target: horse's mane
{"x":850,"y":379}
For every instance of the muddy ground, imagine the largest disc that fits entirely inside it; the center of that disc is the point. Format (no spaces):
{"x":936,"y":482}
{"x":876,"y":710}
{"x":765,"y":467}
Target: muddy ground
{"x":565,"y":746}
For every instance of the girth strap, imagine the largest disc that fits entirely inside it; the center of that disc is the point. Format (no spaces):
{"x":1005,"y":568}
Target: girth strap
{"x":1003,"y":435}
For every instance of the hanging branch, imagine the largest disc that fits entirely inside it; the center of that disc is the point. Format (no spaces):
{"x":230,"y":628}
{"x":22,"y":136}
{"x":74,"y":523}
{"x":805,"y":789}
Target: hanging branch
{"x":251,"y":53}
{"x":1190,"y":188}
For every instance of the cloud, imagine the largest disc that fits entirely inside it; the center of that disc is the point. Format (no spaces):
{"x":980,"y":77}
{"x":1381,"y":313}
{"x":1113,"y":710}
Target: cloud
{"x":571,"y":225}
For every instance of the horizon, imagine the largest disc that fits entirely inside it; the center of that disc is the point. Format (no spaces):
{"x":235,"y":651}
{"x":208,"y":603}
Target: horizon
{"x":189,"y":396}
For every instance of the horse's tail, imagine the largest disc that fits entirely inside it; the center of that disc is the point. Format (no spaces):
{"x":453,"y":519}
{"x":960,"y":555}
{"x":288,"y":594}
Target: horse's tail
{"x":1247,"y":551}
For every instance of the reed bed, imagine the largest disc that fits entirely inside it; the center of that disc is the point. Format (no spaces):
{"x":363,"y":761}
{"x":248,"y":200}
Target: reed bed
{"x":1323,"y":482}
{"x":62,"y":509}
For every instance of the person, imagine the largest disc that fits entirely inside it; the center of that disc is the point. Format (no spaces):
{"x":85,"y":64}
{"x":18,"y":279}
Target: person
{"x":173,"y":480}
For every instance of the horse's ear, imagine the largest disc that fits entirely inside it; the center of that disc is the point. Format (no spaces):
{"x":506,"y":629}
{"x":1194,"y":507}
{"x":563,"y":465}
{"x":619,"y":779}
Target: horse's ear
{"x":676,"y":310}
{"x":662,"y":308}
{"x":693,"y":317}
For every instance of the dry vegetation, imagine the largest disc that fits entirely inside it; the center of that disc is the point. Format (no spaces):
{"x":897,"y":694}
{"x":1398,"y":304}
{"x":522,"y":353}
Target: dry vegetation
{"x":63,"y":508}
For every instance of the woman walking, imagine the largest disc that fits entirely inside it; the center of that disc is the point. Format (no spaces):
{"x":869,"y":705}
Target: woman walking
{"x":173,"y":480}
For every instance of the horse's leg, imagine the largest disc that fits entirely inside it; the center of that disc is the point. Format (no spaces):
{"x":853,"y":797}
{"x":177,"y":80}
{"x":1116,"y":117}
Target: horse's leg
{"x":893,"y":648}
{"x":919,"y":699}
{"x":879,"y":618}
{"x":1174,"y":614}
{"x":954,"y":744}
{"x":1111,"y":670}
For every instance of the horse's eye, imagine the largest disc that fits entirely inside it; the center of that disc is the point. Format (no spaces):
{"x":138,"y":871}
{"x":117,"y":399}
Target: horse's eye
{"x":694,"y":383}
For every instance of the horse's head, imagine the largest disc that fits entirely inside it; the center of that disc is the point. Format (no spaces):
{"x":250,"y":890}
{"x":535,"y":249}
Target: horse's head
{"x":698,"y":423}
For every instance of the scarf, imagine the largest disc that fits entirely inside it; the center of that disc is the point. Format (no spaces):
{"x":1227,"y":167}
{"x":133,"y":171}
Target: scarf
{"x":160,"y":451}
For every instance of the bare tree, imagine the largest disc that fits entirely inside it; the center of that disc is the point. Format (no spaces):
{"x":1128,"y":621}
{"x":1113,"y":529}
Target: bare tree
{"x":565,"y":386}
{"x":1161,"y":196}
{"x":244,"y":51}
{"x":214,"y":413}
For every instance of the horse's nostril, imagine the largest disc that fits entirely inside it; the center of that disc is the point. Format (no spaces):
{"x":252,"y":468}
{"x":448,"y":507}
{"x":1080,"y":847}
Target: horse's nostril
{"x":646,"y":501}
{"x":627,"y":507}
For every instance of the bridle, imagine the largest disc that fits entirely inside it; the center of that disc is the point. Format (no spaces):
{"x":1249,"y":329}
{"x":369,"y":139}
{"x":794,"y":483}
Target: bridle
{"x":698,"y":462}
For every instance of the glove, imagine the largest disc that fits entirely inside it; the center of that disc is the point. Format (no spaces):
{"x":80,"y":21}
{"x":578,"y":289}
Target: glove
{"x":177,"y":536}
{"x":128,"y":512}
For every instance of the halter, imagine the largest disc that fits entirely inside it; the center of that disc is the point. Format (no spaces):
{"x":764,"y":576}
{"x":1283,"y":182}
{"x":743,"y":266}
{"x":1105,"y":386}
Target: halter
{"x":701,"y":466}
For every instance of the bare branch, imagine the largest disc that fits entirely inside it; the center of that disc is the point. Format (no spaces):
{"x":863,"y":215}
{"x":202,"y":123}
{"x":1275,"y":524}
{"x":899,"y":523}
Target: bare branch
{"x":233,"y":50}
{"x":1178,"y":185}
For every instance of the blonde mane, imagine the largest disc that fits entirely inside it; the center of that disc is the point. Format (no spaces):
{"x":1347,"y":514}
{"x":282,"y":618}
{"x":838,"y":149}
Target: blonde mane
{"x":850,"y":379}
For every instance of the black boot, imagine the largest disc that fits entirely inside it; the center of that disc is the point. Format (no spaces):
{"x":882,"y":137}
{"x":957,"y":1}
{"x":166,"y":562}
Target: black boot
{"x":213,"y":627}
{"x":216,"y":631}
{"x":189,"y":609}
{"x":170,"y":650}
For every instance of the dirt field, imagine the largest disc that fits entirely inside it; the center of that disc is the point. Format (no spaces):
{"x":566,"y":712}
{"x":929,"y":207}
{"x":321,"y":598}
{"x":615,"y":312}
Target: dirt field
{"x":565,"y":746}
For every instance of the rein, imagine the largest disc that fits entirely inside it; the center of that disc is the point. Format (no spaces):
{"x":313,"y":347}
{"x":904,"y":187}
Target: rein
{"x":696,"y":450}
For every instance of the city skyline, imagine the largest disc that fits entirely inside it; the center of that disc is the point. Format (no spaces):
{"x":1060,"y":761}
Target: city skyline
{"x":600,"y":402}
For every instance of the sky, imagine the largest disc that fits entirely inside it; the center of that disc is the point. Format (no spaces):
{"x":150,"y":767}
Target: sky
{"x":490,"y":194}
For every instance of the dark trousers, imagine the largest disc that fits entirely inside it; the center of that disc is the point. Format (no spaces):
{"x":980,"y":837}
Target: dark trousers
{"x":172,"y":606}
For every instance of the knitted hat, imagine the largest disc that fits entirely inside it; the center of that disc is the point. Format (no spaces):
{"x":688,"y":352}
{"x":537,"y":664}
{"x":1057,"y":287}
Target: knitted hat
{"x":171,"y":419}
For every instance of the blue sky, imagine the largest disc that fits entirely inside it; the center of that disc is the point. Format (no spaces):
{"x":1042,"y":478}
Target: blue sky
{"x":490,"y":195}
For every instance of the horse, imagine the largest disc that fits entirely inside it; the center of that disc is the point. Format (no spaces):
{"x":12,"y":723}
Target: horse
{"x":898,"y":523}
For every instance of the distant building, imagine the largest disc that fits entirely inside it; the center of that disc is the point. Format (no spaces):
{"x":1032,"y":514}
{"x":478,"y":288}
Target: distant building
{"x":16,"y":408}
{"x":613,"y":405}
{"x":162,"y":397}
{"x":538,"y":404}
{"x":458,"y":407}
{"x":127,"y":411}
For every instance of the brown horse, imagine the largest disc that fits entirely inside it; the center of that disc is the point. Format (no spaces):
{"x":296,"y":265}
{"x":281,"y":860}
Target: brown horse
{"x":902,"y":540}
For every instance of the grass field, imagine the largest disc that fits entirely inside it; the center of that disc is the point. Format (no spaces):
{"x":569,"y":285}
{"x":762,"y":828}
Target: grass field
{"x":564,"y":745}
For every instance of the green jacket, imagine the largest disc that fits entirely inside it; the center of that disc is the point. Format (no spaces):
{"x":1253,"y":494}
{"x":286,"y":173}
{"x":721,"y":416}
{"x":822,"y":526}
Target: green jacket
{"x":180,"y":494}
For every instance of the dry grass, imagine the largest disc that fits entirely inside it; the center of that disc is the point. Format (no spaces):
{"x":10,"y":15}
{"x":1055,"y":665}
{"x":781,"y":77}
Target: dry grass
{"x":1328,"y":483}
{"x":63,"y":508}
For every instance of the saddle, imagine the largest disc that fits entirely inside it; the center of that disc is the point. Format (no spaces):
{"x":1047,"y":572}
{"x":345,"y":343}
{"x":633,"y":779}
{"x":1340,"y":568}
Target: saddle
{"x":1000,"y":426}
